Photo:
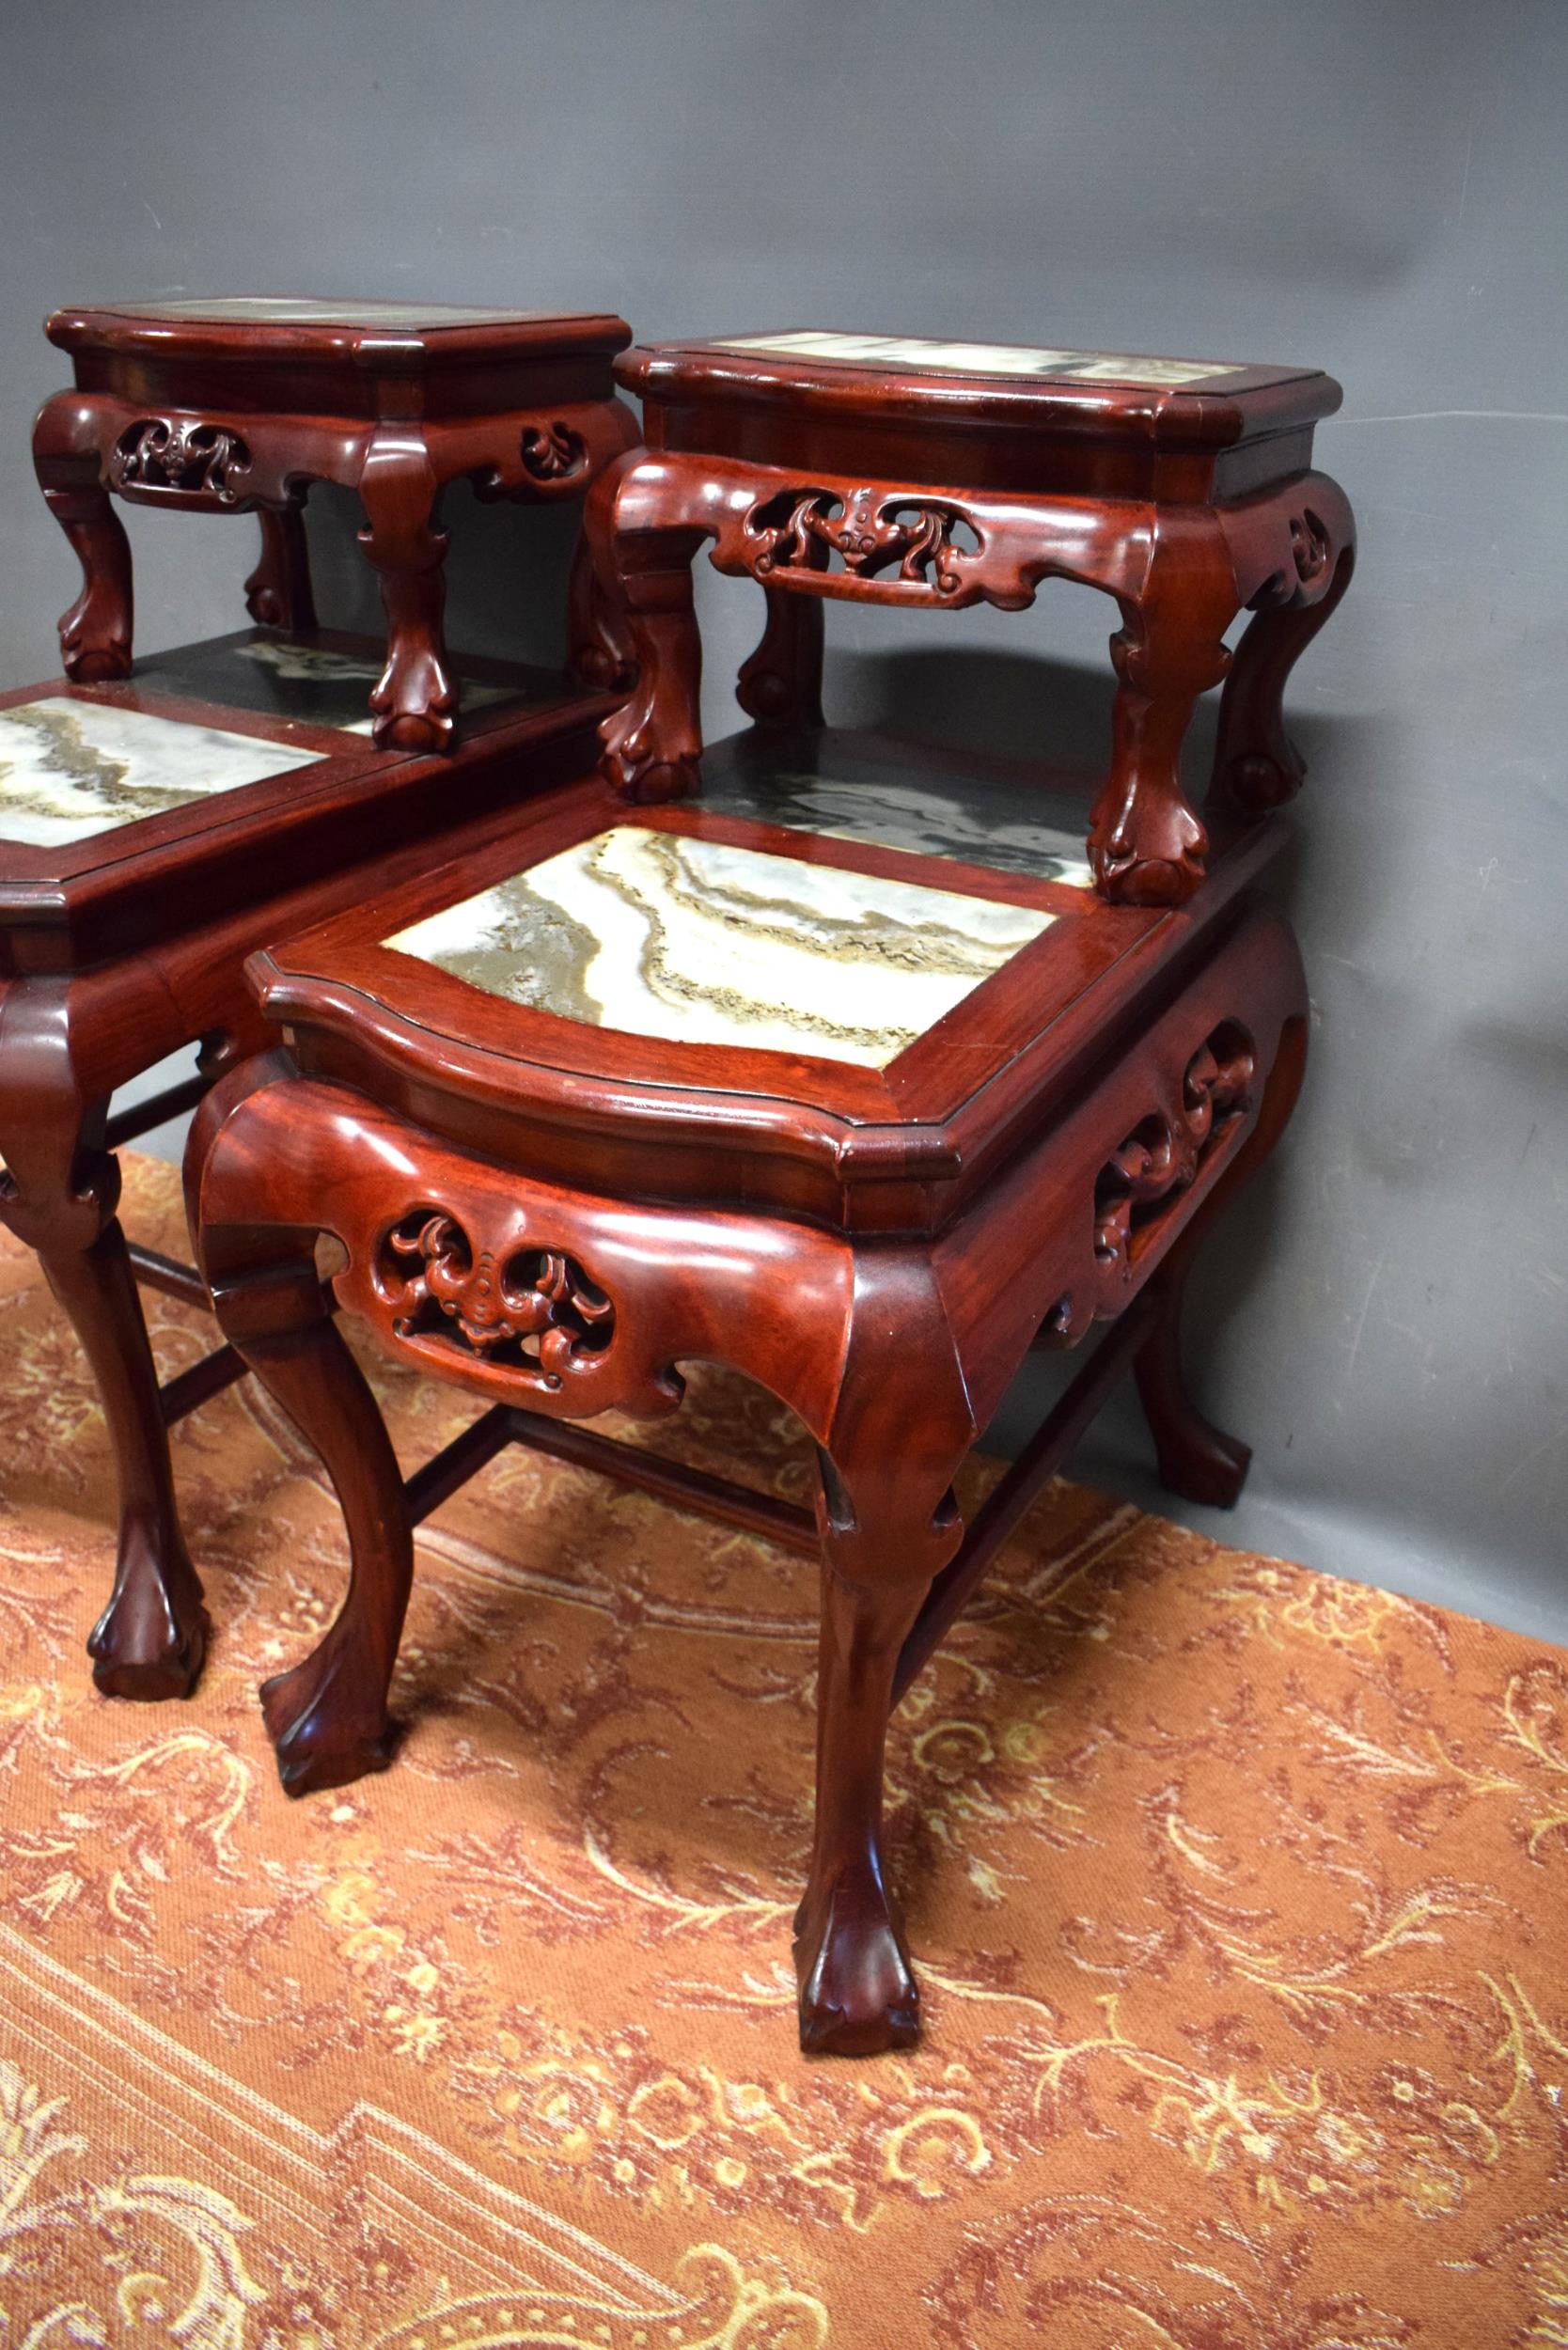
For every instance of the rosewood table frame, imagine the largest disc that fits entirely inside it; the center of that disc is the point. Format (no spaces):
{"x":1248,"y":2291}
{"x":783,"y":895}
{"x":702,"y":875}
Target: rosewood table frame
{"x":196,"y":413}
{"x":556,"y":1215}
{"x":480,"y":1197}
{"x":933,"y":495}
{"x":128,"y":947}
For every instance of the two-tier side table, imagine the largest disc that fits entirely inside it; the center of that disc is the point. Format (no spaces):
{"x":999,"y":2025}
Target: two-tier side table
{"x":152,"y":834}
{"x":237,"y":406}
{"x":928,"y":476}
{"x":812,"y":1053}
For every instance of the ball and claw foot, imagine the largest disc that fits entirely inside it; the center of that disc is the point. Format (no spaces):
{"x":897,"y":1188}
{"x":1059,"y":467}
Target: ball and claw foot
{"x":415,"y":704}
{"x":150,"y":1642}
{"x":323,"y":1737}
{"x":859,"y":1996}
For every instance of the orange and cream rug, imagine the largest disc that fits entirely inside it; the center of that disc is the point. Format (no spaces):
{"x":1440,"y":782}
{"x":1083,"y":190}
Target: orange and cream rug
{"x":1240,"y":1897}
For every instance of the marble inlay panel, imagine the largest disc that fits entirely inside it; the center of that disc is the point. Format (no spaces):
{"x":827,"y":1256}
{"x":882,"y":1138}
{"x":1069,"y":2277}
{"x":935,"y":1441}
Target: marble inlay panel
{"x":976,"y":822}
{"x":290,"y":310}
{"x":935,"y":358}
{"x":324,"y":674}
{"x":70,"y":769}
{"x":661,"y":935}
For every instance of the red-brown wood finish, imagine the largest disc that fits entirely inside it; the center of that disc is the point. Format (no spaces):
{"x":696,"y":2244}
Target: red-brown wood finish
{"x":561,"y":1234}
{"x":213,"y":414}
{"x":930,"y":492}
{"x":123,"y":948}
{"x":558,"y":1216}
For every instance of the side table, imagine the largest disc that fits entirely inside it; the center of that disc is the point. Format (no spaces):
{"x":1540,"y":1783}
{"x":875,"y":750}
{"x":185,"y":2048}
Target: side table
{"x":931,"y":476}
{"x":815,"y":1055}
{"x":863,"y":1123}
{"x":236,"y":405}
{"x":151,"y":835}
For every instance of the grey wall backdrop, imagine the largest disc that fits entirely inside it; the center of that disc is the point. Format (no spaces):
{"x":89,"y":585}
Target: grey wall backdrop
{"x":1373,"y":186}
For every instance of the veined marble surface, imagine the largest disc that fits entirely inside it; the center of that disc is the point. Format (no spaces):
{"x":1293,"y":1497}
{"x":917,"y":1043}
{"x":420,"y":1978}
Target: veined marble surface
{"x":661,"y":935}
{"x":318,"y":667}
{"x":306,"y":311}
{"x":70,"y":769}
{"x":976,"y":821}
{"x":933,"y":358}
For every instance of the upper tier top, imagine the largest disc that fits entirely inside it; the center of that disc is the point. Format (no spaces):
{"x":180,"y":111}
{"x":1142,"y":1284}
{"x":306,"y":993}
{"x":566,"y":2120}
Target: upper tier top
{"x":363,"y":334}
{"x":1212,"y":401}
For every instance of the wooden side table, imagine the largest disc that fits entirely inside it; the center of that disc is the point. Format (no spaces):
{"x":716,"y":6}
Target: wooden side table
{"x":931,"y":476}
{"x":814,"y":1055}
{"x":153,"y":835}
{"x":865,"y":1123}
{"x":237,"y":406}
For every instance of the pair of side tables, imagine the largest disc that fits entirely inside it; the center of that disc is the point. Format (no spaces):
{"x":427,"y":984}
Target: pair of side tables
{"x":859,"y":1067}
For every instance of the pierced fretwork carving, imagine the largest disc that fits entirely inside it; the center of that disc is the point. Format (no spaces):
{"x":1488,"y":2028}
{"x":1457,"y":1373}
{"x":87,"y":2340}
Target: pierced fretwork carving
{"x":185,"y":458}
{"x":553,"y":452}
{"x":533,"y":1311}
{"x":1162,"y":1157}
{"x":869,"y":531}
{"x":1304,"y":578}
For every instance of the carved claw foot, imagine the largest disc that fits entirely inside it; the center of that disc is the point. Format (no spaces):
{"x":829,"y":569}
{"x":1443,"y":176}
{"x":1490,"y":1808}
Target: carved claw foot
{"x":674,"y":779}
{"x":416,"y":705}
{"x":324,"y":1732}
{"x":859,"y":1996}
{"x":95,"y":643}
{"x":1148,"y":854}
{"x":150,"y":1641}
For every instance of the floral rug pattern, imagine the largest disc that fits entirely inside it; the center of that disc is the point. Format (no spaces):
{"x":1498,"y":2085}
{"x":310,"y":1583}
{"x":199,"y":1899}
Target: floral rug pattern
{"x":1239,"y":1896}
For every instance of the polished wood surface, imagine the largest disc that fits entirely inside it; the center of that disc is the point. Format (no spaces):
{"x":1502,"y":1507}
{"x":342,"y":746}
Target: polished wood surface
{"x":120,"y":950}
{"x":558,"y":1217}
{"x":207,"y":408}
{"x":556,"y":1198}
{"x":930,"y":490}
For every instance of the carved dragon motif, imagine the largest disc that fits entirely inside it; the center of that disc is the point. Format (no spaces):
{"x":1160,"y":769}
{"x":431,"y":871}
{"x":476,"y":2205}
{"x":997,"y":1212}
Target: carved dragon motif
{"x":185,"y":458}
{"x":1163,"y":1157}
{"x":535,"y":1311}
{"x":867,"y":530}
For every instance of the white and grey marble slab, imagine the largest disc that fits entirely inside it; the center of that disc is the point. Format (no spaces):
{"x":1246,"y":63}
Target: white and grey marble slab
{"x":71,"y":769}
{"x":938,"y":358}
{"x":318,"y":667}
{"x":965,"y":817}
{"x":306,"y":311}
{"x":659,"y":933}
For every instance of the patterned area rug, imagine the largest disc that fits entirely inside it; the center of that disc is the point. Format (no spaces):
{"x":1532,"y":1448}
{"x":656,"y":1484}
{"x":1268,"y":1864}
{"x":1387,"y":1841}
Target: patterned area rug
{"x":1238,"y":1893}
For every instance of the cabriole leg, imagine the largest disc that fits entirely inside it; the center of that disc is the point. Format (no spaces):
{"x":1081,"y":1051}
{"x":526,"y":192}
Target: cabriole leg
{"x":414,"y":700}
{"x":599,"y":651}
{"x":652,"y":743}
{"x":780,"y":684}
{"x":1145,"y":842}
{"x":1257,"y":766}
{"x":152,"y":1639}
{"x":887,"y":1522}
{"x":327,"y":1716}
{"x":278,"y":593}
{"x":96,"y":632}
{"x":59,"y":1195}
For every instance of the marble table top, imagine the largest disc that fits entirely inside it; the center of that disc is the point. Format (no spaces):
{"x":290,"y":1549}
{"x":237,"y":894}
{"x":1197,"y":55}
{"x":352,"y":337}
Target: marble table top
{"x":308,"y":310}
{"x":942,"y":358}
{"x":72,"y":769}
{"x":965,"y":817}
{"x":665,"y":935}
